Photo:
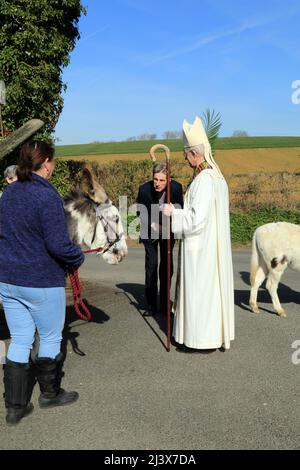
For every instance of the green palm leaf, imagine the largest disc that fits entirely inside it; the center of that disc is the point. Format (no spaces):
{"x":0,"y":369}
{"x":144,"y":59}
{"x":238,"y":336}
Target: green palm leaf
{"x":212,"y":123}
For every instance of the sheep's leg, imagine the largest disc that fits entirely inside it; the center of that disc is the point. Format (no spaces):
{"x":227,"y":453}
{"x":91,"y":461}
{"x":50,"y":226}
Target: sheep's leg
{"x":272,"y":286}
{"x":258,"y":280}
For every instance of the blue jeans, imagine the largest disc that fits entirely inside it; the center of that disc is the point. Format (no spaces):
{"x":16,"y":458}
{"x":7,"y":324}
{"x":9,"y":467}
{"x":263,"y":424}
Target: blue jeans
{"x":29,"y":308}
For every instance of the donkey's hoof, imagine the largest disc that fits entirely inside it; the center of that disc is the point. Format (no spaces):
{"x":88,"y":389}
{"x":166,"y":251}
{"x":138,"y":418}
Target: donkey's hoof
{"x":254,"y":308}
{"x":282,"y":313}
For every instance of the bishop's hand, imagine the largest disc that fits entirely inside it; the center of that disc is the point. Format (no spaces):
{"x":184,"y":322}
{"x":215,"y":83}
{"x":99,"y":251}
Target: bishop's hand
{"x":167,"y":209}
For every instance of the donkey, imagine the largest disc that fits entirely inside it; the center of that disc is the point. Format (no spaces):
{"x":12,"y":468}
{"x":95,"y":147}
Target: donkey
{"x":274,"y":247}
{"x":93,"y":221}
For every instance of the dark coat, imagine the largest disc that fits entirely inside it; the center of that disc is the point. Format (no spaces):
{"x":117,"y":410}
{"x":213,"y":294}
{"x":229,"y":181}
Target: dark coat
{"x":148,"y":207}
{"x":35,"y":247}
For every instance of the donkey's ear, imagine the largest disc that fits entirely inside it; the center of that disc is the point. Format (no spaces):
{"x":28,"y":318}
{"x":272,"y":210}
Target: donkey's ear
{"x":91,"y":188}
{"x":87,"y":181}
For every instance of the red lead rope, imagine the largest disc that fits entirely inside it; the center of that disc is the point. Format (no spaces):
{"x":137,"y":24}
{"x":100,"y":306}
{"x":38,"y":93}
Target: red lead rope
{"x":78,"y":302}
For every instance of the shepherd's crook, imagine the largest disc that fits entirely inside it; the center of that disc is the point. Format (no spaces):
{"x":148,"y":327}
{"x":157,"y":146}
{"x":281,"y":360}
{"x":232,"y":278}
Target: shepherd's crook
{"x":168,"y":198}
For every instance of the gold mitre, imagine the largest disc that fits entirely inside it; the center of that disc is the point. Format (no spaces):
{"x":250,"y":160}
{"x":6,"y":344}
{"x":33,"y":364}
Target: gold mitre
{"x":194,"y":134}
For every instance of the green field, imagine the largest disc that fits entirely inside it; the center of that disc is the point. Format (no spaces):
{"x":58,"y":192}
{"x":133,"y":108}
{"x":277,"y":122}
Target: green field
{"x":143,"y":146}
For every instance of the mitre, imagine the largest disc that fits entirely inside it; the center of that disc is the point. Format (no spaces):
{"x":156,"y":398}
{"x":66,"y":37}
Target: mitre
{"x":194,"y":134}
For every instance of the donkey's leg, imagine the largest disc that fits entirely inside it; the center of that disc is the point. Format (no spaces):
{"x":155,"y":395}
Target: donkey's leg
{"x":272,"y":286}
{"x":259,"y":278}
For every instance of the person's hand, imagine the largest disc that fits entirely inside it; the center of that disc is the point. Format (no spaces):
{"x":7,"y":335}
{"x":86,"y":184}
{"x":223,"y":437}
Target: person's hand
{"x":167,"y":209}
{"x":155,"y":227}
{"x":72,"y":269}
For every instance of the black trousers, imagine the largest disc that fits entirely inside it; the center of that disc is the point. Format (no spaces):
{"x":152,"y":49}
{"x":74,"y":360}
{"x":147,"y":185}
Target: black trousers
{"x":151,"y":277}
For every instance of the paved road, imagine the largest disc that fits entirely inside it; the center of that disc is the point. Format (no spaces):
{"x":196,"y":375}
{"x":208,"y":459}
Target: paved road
{"x":134,"y":395}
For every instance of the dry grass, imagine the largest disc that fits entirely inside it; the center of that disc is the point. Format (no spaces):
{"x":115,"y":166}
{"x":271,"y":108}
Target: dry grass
{"x":230,"y":161}
{"x":259,"y":160}
{"x":281,"y":190}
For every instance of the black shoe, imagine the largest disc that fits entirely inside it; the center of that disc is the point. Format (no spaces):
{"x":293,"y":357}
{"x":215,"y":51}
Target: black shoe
{"x":151,"y":311}
{"x":14,"y":415}
{"x":61,"y":399}
{"x":16,"y":386}
{"x":184,"y":349}
{"x":49,"y":374}
{"x":147,"y":314}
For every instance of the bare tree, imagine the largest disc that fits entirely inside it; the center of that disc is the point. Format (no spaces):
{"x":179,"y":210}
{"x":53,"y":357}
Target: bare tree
{"x":146,"y":136}
{"x":240,"y":133}
{"x":172,"y":135}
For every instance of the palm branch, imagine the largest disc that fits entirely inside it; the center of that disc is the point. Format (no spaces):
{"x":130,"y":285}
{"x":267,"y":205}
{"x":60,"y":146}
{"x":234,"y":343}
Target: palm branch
{"x":212,"y":125}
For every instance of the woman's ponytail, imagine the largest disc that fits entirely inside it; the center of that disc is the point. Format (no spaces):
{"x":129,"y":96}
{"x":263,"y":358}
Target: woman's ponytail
{"x":32,"y":156}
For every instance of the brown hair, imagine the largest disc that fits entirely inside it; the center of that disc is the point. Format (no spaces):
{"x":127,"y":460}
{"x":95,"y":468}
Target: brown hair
{"x":32,"y":156}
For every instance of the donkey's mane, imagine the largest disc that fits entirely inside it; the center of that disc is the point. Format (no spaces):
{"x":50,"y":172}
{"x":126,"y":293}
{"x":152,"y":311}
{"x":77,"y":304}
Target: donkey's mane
{"x":74,"y":195}
{"x":76,"y":200}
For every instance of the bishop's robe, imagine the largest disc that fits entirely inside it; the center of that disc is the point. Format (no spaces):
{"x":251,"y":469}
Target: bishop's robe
{"x":204,"y":300}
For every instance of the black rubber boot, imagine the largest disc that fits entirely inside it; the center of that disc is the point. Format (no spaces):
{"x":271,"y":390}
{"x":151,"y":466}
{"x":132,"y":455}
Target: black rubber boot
{"x":16,"y":386}
{"x":49,"y":373}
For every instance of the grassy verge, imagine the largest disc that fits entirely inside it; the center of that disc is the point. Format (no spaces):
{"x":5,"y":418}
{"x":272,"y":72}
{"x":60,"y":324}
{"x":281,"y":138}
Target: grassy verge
{"x":244,"y":224}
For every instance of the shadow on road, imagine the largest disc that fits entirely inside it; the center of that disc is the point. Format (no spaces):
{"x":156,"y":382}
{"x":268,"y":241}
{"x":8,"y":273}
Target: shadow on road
{"x":285,"y":294}
{"x":245,"y":276}
{"x":241,"y":299}
{"x":70,"y":336}
{"x":135,"y":294}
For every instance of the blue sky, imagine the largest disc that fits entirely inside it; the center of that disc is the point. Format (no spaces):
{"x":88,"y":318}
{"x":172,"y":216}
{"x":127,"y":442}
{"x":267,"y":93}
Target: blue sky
{"x":145,"y":65}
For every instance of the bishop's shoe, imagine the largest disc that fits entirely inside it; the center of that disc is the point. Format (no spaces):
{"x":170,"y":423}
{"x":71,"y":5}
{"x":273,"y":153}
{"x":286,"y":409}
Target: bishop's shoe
{"x":182,"y":348}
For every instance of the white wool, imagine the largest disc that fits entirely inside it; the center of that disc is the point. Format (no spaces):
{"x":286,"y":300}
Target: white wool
{"x":274,"y":247}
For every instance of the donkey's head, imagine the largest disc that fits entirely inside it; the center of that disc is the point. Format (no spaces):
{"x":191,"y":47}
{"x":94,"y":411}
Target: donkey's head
{"x":93,"y":221}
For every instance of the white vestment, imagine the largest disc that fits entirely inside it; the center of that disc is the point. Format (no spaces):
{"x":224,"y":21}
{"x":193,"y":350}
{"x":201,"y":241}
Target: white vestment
{"x":204,"y":303}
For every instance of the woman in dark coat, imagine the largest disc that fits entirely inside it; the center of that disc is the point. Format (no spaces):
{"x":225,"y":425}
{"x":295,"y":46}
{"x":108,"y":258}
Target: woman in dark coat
{"x":35,"y":253}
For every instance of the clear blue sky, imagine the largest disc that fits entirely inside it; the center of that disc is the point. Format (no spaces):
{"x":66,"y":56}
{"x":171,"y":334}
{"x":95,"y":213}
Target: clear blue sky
{"x":145,"y":65}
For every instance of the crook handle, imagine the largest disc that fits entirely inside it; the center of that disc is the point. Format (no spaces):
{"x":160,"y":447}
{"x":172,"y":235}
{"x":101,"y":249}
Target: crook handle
{"x":159,"y":146}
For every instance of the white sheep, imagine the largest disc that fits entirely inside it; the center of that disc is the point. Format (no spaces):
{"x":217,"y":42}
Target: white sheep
{"x":274,"y":247}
